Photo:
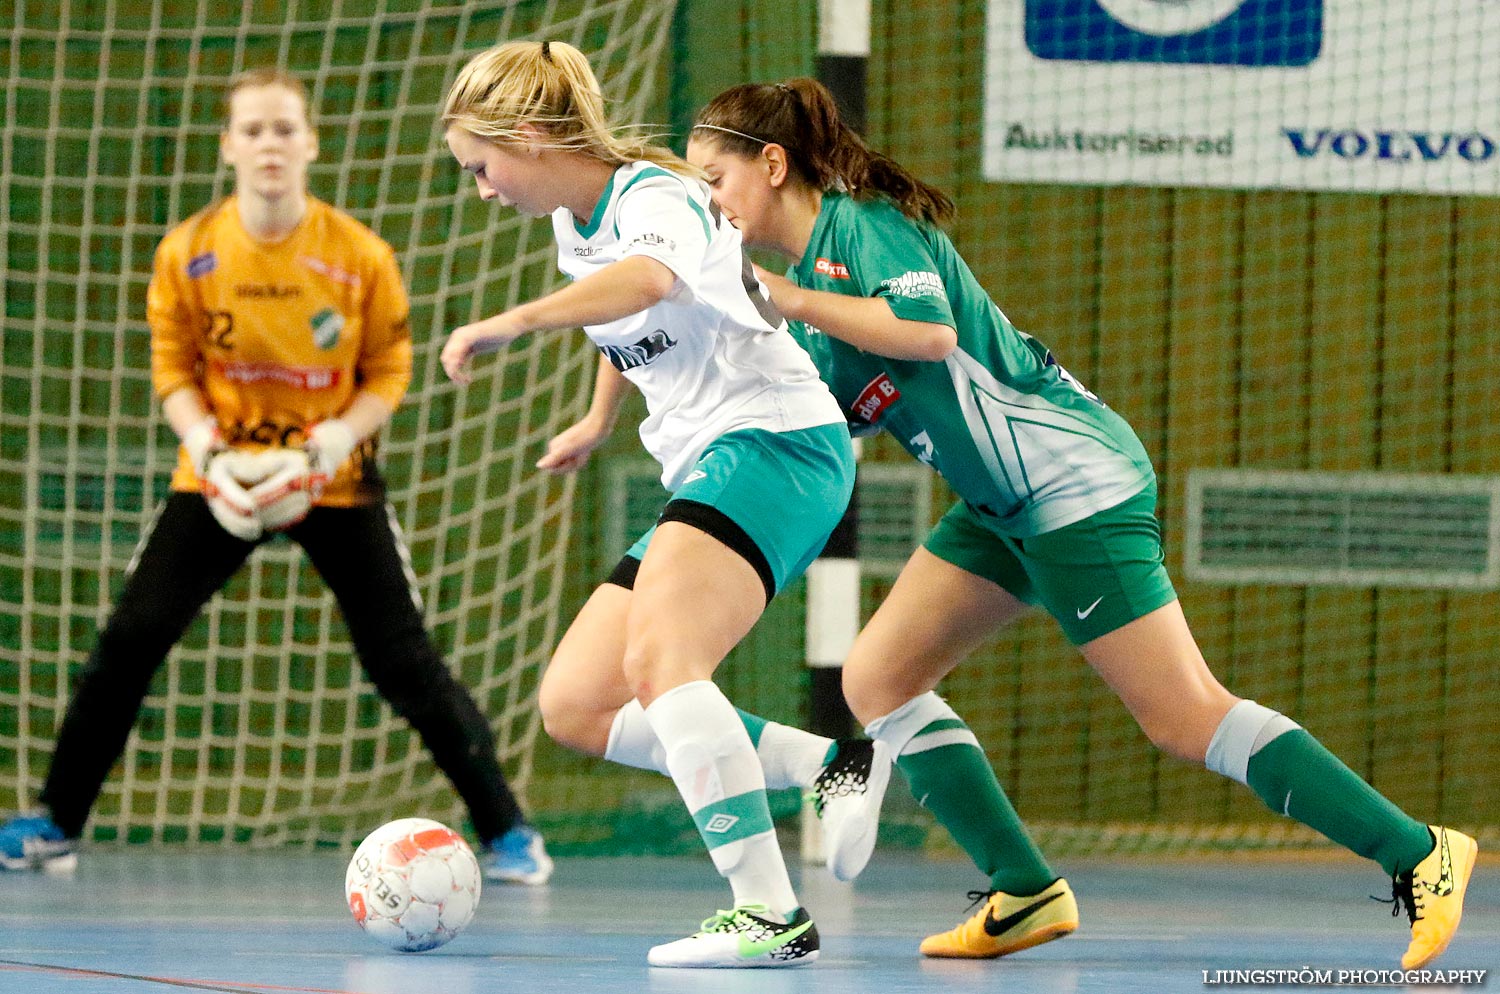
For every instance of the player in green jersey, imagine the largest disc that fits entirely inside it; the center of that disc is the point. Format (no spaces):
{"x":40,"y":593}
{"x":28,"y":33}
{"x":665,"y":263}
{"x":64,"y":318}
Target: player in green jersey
{"x":1057,"y":508}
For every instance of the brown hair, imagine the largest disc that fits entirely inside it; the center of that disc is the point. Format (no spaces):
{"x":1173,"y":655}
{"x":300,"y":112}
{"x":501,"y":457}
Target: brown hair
{"x":802,"y":117}
{"x":268,"y":76}
{"x":550,"y":86}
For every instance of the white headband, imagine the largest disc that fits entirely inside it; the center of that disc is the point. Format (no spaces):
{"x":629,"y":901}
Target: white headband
{"x":731,"y":131}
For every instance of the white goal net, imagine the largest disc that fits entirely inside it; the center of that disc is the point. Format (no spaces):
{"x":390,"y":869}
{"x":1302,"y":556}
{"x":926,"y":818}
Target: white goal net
{"x":260,"y":728}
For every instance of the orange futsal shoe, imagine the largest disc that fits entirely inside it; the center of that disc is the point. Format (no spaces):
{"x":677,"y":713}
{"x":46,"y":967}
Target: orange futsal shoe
{"x":1006,"y":924}
{"x":1433,"y":895}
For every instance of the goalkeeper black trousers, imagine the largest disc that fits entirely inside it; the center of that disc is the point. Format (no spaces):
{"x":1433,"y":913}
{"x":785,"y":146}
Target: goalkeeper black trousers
{"x":183,"y":561}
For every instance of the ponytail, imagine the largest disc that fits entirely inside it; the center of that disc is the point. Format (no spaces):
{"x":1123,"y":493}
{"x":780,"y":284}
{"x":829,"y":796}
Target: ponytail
{"x":802,"y":117}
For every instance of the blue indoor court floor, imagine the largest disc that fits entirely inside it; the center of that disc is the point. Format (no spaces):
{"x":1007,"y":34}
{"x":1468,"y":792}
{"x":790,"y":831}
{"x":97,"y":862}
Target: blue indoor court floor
{"x":149,"y":921}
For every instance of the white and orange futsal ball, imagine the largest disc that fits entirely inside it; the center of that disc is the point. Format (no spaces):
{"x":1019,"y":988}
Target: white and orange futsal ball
{"x":413,"y":884}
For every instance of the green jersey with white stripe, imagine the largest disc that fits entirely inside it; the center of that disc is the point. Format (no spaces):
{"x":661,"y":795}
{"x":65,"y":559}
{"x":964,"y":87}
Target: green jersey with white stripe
{"x":1010,"y":430}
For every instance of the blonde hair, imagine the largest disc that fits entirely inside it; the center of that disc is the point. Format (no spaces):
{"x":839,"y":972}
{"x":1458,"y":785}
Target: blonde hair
{"x":550,"y":86}
{"x":268,"y":76}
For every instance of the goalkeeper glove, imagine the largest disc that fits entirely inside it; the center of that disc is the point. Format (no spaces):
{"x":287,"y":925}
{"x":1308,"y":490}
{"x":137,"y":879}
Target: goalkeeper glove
{"x":232,"y":506}
{"x":201,"y":442}
{"x":285,"y":487}
{"x":329,"y":445}
{"x":288,"y":481}
{"x":214,"y":465}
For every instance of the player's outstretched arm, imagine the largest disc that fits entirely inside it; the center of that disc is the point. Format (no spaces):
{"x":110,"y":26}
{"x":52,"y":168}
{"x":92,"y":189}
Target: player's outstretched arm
{"x":570,"y":448}
{"x":618,"y":290}
{"x":867,"y":323}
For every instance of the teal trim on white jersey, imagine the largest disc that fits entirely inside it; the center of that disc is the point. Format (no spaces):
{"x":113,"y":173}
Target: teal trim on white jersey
{"x":658,"y":171}
{"x":714,"y":356}
{"x":586,"y":229}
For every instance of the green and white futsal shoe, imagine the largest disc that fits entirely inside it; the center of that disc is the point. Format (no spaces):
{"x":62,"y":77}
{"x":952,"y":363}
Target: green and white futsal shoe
{"x":743,"y":937}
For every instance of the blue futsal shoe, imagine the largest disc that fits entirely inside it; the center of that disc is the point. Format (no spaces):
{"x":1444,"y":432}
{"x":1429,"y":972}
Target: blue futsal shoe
{"x":34,"y":842}
{"x":517,"y":857}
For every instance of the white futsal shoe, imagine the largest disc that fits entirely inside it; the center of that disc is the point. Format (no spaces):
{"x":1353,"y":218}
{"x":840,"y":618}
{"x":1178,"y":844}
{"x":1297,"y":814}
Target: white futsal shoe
{"x":847,"y":796}
{"x":742,"y":937}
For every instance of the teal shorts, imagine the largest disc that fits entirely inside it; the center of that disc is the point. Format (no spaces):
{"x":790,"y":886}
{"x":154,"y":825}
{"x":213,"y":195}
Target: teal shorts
{"x":1093,"y":576}
{"x":774,"y":497}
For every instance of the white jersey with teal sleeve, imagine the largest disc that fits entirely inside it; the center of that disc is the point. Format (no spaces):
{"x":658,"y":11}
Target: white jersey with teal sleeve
{"x":713,"y":357}
{"x":1009,"y":429}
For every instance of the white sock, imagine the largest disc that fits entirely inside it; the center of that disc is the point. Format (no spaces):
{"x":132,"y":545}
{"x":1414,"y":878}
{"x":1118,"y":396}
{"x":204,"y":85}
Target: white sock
{"x":789,"y":757}
{"x":902,"y":728}
{"x":633,"y":742}
{"x":719,"y":776}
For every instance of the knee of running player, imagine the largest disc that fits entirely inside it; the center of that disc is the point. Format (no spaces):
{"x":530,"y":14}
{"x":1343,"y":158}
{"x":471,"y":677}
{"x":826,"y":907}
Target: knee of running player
{"x":655,"y":663}
{"x":571,"y":718}
{"x":874,"y":689}
{"x":1182,"y":725}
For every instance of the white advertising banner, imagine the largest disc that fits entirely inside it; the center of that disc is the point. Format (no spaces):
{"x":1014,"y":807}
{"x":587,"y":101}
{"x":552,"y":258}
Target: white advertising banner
{"x":1379,"y":95}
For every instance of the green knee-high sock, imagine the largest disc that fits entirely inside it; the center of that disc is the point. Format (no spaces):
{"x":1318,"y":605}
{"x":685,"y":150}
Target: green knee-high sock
{"x":1296,"y":776}
{"x":954,"y":781}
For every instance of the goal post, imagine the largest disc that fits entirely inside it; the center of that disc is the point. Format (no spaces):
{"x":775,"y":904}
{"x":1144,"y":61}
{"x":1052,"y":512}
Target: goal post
{"x":261,"y":728}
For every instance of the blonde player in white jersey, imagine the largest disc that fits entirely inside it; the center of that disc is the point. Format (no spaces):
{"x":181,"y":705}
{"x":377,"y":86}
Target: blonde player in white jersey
{"x":752,"y":446}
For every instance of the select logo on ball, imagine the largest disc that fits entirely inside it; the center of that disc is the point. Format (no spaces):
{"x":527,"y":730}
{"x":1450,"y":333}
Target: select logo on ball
{"x":413,"y":884}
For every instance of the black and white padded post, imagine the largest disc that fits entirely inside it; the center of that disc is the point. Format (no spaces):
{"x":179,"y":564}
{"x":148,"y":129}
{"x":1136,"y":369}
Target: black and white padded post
{"x":833,"y":580}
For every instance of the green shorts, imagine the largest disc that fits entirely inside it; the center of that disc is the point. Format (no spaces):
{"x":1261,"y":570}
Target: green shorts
{"x":782,"y":493}
{"x":1093,"y":576}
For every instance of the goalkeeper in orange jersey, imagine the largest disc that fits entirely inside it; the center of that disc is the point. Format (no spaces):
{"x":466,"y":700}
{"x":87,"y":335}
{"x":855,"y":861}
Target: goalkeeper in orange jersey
{"x":280,"y":346}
